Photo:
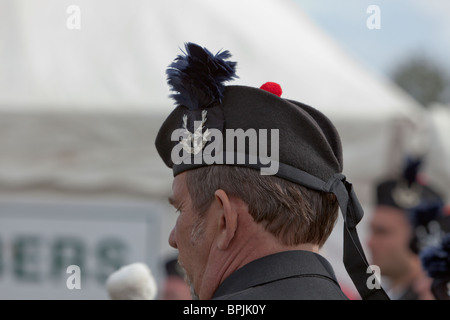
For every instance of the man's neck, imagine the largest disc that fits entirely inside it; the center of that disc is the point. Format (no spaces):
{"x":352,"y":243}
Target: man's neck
{"x":247,"y":246}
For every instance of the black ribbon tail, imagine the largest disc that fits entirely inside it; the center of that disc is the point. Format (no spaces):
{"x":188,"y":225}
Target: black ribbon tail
{"x":355,"y":261}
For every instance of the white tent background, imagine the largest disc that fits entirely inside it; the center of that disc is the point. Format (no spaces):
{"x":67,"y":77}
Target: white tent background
{"x":79,"y":109}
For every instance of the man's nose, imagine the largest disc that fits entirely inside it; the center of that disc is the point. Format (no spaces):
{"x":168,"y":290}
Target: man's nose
{"x":172,"y":239}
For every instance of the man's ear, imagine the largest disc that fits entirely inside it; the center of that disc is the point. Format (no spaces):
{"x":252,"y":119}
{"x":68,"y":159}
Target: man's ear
{"x":228,"y":219}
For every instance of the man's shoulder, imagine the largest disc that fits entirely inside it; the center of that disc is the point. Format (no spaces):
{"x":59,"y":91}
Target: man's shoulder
{"x":289,"y":275}
{"x":296,"y":288}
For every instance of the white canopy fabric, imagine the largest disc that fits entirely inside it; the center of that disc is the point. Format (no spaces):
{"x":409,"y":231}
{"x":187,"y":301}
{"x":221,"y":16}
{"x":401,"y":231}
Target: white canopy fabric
{"x":116,"y":61}
{"x":437,"y":160}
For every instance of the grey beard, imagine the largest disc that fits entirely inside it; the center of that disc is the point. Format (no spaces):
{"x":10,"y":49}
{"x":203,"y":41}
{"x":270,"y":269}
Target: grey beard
{"x":194,"y":294}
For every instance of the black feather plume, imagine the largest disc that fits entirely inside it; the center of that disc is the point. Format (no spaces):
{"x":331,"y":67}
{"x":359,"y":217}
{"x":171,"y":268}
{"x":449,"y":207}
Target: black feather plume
{"x":198,"y":76}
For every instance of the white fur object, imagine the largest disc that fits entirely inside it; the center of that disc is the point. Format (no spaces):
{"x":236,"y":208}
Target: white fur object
{"x":132,"y":282}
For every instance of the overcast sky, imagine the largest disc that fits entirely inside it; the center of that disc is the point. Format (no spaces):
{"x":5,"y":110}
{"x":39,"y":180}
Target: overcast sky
{"x":407,"y":27}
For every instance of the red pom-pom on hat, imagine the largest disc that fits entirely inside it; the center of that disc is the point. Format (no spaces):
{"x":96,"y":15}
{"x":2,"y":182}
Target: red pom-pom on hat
{"x":272,"y":87}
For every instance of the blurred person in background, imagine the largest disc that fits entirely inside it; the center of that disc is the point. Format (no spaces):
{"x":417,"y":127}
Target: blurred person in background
{"x":405,"y":221}
{"x":174,"y":286}
{"x":436,"y":260}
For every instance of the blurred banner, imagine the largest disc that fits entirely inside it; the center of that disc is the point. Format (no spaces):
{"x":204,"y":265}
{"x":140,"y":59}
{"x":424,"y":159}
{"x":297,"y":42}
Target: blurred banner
{"x":40,"y":240}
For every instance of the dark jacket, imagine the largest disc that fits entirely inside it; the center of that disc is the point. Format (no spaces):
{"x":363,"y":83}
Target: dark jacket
{"x":289,"y":275}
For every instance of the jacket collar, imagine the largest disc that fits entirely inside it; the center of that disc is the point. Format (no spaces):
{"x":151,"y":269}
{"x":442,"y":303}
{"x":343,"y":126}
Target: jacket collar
{"x":275,"y":267}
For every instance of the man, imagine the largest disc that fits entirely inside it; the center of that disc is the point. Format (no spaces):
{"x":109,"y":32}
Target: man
{"x":389,"y":245}
{"x":406,"y":220}
{"x":250,"y":224}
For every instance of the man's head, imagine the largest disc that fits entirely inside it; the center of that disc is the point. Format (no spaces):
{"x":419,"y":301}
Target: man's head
{"x":389,"y":241}
{"x":400,"y":226}
{"x":223,"y":208}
